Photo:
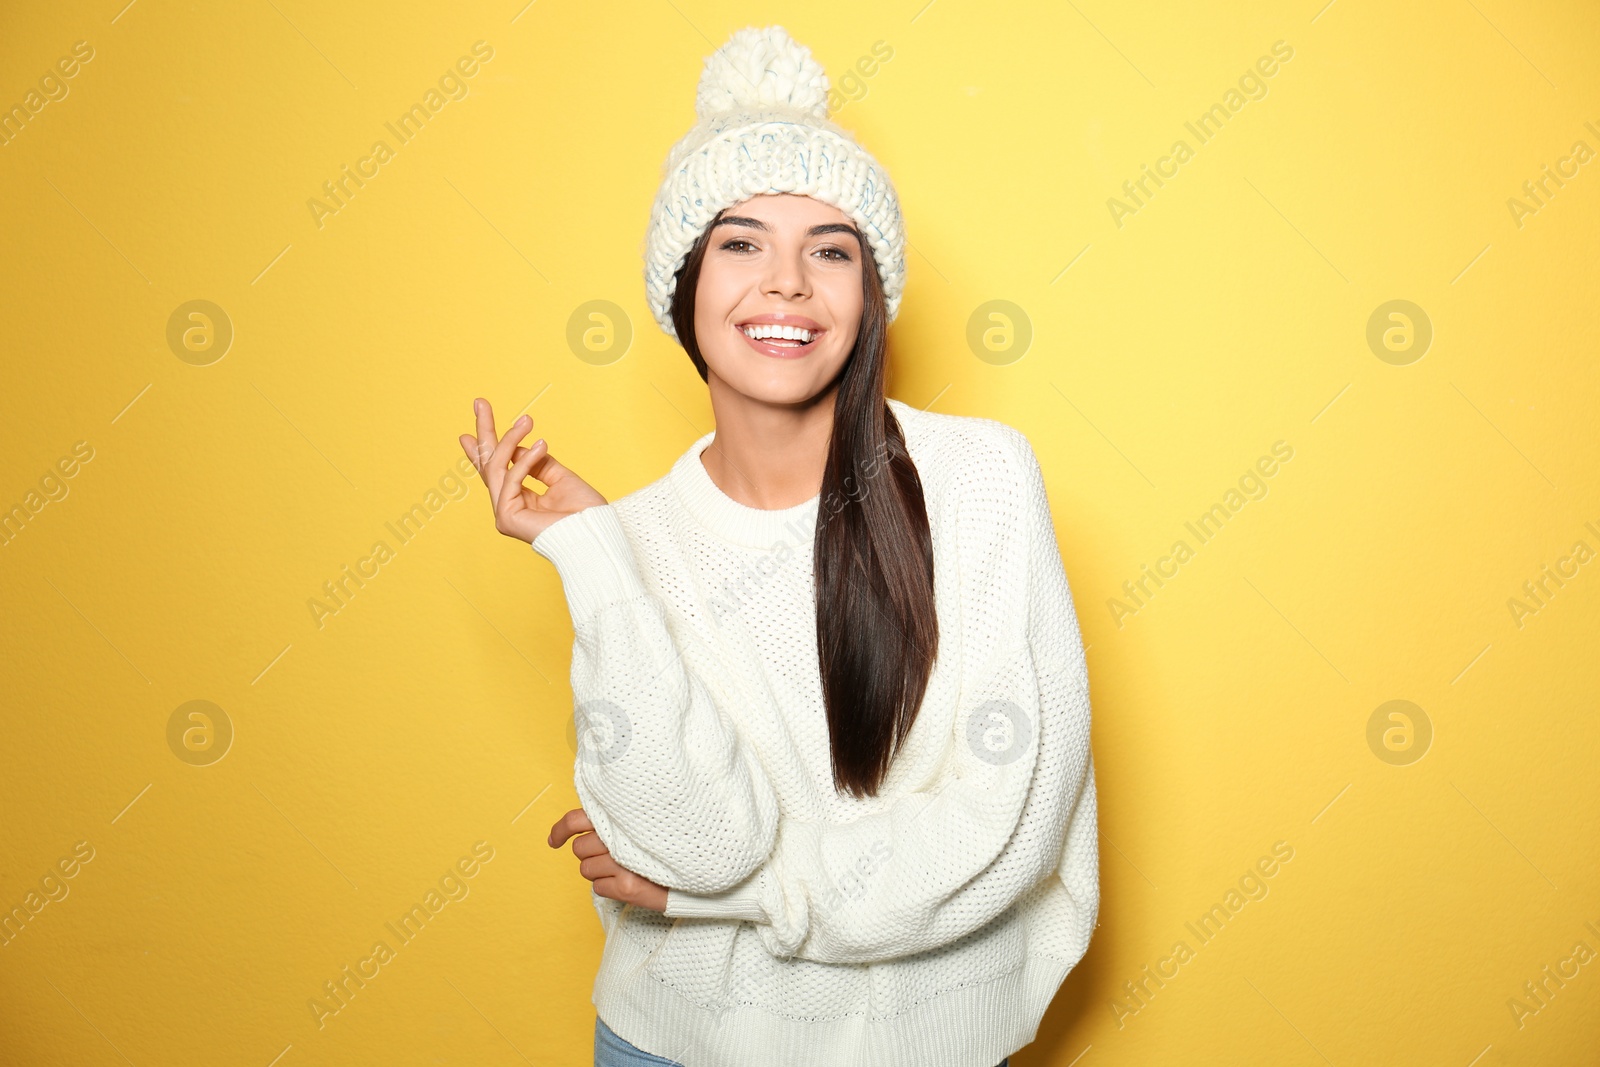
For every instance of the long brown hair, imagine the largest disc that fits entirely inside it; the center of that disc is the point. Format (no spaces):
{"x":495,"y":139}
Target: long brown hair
{"x":877,"y":632}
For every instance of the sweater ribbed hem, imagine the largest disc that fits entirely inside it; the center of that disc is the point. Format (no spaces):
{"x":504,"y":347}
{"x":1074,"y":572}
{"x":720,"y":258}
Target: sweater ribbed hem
{"x":973,"y":1026}
{"x":593,"y":558}
{"x":742,"y":901}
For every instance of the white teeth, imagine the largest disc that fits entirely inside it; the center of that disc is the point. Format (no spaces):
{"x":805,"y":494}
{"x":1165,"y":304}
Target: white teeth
{"x":792,"y":333}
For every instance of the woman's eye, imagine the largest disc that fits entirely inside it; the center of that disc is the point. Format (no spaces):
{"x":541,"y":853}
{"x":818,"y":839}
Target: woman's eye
{"x":739,"y":245}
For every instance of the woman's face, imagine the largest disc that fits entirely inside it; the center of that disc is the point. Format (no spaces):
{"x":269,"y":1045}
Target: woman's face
{"x":787,"y":260}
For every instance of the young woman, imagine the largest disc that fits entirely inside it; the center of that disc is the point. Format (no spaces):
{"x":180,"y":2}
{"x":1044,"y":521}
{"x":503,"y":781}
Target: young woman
{"x":838,"y":801}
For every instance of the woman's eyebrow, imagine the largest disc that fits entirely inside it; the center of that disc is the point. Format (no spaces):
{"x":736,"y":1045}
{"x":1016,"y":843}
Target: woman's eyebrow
{"x":757,"y":224}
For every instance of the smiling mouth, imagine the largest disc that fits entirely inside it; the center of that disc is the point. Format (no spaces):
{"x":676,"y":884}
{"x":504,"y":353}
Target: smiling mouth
{"x":784,"y":342}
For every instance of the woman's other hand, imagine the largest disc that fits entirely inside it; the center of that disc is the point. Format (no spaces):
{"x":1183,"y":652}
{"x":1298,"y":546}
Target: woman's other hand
{"x":503,"y":465}
{"x":609,"y":878}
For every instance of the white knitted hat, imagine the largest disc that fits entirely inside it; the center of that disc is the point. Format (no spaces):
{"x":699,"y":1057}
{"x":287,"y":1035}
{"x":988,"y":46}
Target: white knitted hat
{"x":762,"y":108}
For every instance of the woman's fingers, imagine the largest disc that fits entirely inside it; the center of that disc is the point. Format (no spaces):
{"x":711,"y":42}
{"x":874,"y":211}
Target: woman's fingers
{"x":490,"y":454}
{"x":494,"y":465}
{"x":602,"y":865}
{"x":489,"y":445}
{"x":548,"y":469}
{"x":619,"y":883}
{"x":481,"y":447}
{"x":575,"y":821}
{"x":469,"y":445}
{"x":586,"y":845}
{"x":486,"y":434}
{"x":511,"y":487}
{"x":595,"y":862}
{"x":501,"y":456}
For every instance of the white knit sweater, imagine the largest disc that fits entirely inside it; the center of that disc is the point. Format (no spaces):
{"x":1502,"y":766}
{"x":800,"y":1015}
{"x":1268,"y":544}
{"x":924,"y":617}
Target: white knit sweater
{"x":929,"y":926}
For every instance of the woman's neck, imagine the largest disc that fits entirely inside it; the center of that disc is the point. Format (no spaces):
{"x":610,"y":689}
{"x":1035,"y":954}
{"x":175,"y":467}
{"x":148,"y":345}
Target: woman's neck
{"x":769,"y":456}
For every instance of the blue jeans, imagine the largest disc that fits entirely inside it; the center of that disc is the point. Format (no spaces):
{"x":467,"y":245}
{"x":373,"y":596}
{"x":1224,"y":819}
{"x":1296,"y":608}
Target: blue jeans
{"x":612,"y":1051}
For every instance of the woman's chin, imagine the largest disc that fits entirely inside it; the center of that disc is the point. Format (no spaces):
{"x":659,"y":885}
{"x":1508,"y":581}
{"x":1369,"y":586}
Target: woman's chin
{"x":778,"y":390}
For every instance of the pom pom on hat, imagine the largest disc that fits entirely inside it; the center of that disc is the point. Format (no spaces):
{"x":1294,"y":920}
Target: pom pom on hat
{"x":762,"y":127}
{"x":762,"y":68}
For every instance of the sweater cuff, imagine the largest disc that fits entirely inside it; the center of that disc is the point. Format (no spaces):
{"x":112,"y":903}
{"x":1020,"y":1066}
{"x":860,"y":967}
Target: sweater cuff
{"x":593,"y":558}
{"x":743,"y":901}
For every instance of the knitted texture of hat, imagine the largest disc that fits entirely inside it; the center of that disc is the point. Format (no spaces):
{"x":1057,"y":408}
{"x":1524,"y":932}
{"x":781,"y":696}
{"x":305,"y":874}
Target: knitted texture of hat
{"x":763,"y":127}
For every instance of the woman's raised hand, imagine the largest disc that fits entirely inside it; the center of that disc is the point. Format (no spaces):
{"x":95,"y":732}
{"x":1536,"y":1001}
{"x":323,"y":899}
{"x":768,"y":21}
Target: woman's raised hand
{"x":504,"y":465}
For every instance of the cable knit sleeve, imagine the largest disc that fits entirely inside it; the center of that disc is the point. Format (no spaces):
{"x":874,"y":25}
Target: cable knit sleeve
{"x":670,"y":788}
{"x":1017,"y":803}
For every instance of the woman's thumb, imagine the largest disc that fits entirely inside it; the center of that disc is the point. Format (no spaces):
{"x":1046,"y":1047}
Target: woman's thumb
{"x":547,"y":468}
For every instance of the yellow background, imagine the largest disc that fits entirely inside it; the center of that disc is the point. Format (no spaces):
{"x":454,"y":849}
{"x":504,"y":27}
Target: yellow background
{"x":431,"y":712}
